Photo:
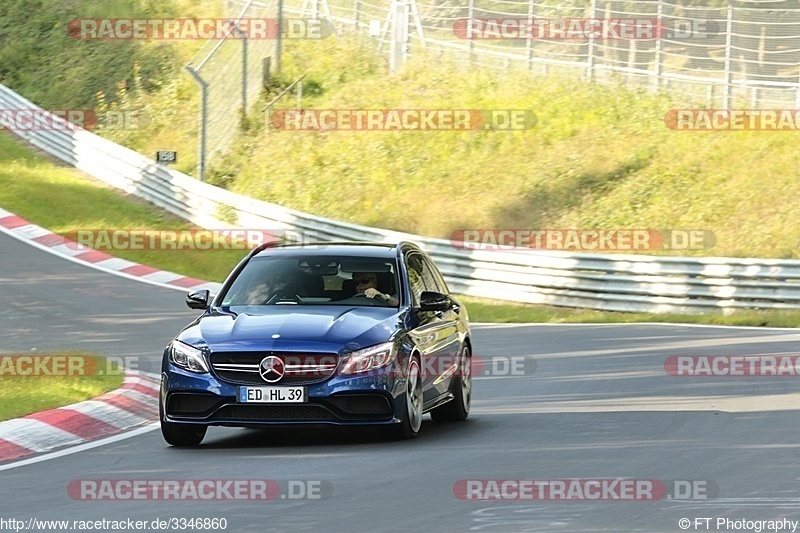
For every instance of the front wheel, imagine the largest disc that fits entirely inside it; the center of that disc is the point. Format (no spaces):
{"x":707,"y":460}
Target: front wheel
{"x":457,"y":409}
{"x":412,"y":413}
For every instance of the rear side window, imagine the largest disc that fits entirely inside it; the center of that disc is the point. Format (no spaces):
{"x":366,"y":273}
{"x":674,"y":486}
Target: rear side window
{"x":415,"y":268}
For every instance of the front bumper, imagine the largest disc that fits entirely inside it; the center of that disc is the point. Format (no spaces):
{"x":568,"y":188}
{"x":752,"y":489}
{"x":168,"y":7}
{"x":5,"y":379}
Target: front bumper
{"x":369,"y":399}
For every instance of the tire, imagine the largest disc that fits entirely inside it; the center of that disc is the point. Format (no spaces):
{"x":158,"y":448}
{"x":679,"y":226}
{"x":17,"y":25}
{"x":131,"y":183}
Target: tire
{"x":181,"y":435}
{"x":412,"y":401}
{"x":457,"y":410}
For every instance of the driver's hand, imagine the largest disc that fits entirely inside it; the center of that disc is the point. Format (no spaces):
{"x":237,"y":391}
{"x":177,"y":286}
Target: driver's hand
{"x":371,"y":293}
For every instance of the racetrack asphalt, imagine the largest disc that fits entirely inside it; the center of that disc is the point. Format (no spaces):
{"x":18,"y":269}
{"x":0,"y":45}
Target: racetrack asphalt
{"x":597,"y":405}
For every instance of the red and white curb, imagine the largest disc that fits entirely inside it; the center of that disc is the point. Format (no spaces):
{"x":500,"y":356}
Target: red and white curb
{"x":134,"y":404}
{"x":46,"y":240}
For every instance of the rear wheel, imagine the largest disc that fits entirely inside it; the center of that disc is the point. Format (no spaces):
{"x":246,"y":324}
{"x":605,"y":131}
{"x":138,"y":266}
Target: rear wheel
{"x":412,"y":413}
{"x":457,"y":409}
{"x":181,"y":435}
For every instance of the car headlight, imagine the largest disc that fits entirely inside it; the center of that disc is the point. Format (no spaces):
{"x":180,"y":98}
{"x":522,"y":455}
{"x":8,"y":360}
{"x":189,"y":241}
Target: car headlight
{"x":187,"y":357}
{"x":370,"y":358}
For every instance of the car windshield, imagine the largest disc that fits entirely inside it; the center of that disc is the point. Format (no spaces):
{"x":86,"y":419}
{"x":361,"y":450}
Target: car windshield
{"x":314,"y":280}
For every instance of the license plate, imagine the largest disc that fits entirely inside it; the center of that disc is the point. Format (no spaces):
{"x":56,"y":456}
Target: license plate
{"x":272,"y":394}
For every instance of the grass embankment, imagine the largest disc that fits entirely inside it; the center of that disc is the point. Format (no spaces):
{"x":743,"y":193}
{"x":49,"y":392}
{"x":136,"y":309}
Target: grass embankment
{"x":28,"y":386}
{"x":600,"y":157}
{"x":63,"y":199}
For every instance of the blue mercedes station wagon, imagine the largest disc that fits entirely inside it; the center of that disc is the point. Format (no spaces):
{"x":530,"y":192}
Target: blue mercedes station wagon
{"x":334,"y":333}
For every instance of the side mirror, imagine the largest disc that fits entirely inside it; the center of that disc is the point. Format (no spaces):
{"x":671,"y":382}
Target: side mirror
{"x":198,"y":299}
{"x":434,"y":301}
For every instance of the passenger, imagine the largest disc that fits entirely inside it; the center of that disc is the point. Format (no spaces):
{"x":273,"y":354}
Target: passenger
{"x":266,"y":289}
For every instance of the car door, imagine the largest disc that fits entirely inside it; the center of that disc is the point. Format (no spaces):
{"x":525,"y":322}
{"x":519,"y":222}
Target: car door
{"x":448,"y":332}
{"x":433,"y":335}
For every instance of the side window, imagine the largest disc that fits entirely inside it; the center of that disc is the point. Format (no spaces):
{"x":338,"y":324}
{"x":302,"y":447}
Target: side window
{"x":428,"y":277}
{"x":415,"y":268}
{"x":437,"y":278}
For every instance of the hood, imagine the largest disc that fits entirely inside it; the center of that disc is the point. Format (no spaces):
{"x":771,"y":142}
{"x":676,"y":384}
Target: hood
{"x":296,"y":328}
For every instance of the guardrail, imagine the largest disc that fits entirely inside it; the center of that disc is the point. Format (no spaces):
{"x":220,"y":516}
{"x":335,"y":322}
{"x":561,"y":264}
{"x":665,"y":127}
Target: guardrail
{"x":609,"y":282}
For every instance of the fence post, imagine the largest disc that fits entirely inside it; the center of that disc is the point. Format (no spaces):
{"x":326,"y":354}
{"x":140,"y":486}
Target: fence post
{"x":201,"y":145}
{"x":357,"y":14}
{"x":590,"y":53}
{"x":659,"y":52}
{"x":300,"y":94}
{"x":398,"y":51}
{"x":529,"y":41}
{"x":244,"y":80}
{"x":728,"y":74}
{"x":470,"y":16}
{"x":279,"y":38}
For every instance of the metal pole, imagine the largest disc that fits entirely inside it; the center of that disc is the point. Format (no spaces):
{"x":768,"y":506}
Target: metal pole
{"x":398,"y":53}
{"x":202,"y":141}
{"x":300,"y":94}
{"x":357,"y":15}
{"x":659,"y":52}
{"x":590,"y":53}
{"x":244,"y":80}
{"x":529,"y":40}
{"x":470,"y":16}
{"x":728,"y":76}
{"x":279,"y":39}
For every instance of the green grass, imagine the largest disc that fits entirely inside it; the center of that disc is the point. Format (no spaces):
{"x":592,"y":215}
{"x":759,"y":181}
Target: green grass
{"x":600,"y":157}
{"x":55,"y":197}
{"x":23,"y":395}
{"x":486,"y":310}
{"x":64,"y":200}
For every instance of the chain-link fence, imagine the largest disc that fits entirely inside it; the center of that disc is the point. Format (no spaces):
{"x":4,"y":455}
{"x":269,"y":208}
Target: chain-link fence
{"x":745,"y":55}
{"x":231,"y":73}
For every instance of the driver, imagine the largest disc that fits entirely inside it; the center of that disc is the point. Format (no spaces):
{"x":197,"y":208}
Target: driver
{"x":266,"y":289}
{"x":367,"y":282}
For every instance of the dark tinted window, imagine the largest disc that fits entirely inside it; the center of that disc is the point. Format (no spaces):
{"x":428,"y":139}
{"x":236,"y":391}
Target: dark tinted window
{"x":310,"y":280}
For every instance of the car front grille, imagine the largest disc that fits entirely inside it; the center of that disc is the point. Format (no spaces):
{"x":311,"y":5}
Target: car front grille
{"x":300,"y":368}
{"x":343,"y":407}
